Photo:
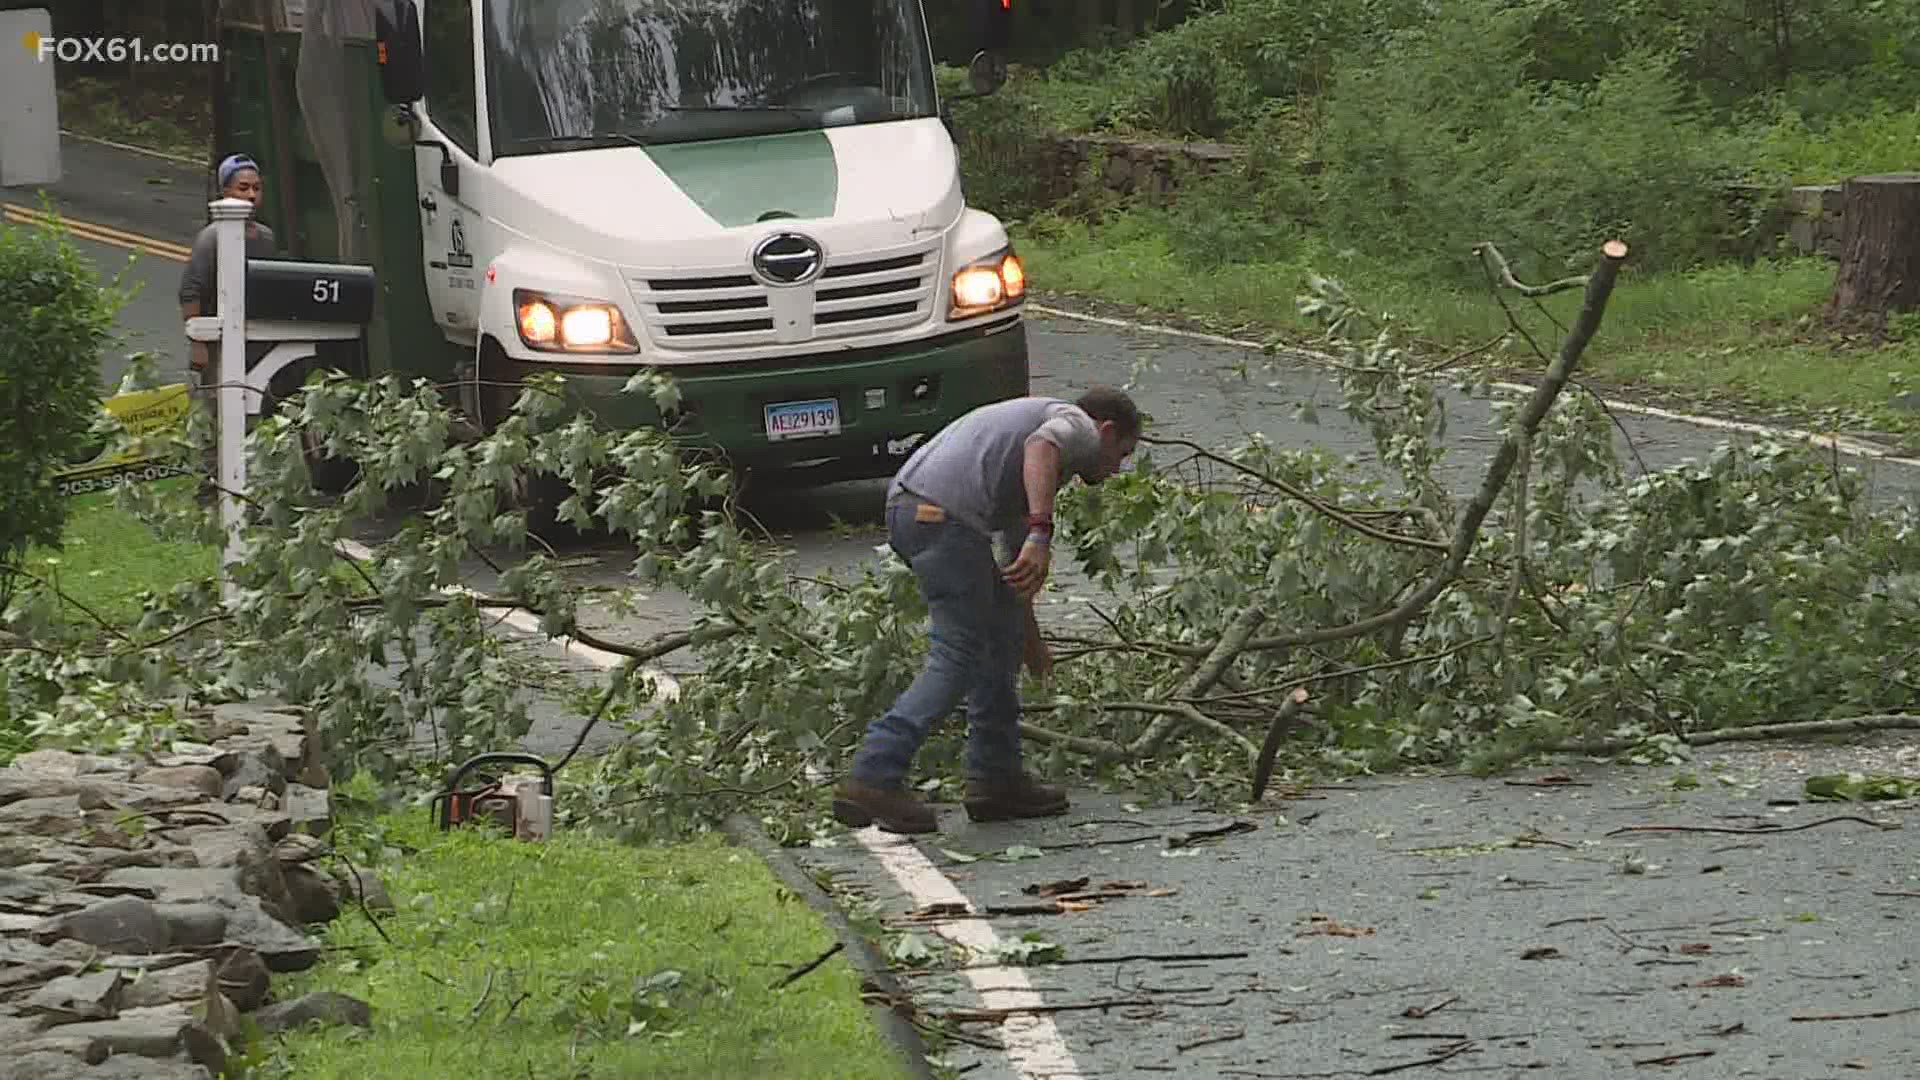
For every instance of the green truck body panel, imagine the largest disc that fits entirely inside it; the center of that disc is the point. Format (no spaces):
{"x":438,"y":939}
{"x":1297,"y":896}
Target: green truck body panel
{"x":963,"y":370}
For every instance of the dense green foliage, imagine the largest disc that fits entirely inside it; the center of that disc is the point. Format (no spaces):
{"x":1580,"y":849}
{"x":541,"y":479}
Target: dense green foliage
{"x":1408,"y":131}
{"x":54,"y":321}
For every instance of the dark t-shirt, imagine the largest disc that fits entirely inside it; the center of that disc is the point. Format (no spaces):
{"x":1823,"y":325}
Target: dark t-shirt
{"x":201,"y":279}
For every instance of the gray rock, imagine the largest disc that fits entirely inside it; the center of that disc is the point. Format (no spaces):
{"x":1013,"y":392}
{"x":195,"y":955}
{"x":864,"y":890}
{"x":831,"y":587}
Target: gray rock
{"x":15,"y":886}
{"x":159,"y":1032}
{"x":87,"y":865}
{"x":185,"y":983}
{"x":225,"y":845}
{"x":15,"y":786}
{"x":243,"y":977}
{"x":53,"y":1066}
{"x":313,"y":897}
{"x":126,"y":925}
{"x":323,"y":1006}
{"x":204,"y":779}
{"x":368,"y":889}
{"x":183,"y":755}
{"x":255,"y":795}
{"x":47,"y":815}
{"x":154,"y":962}
{"x":258,"y":765}
{"x":192,"y":926}
{"x":25,"y":964}
{"x":60,"y":763}
{"x":281,"y":947}
{"x":81,"y":1049}
{"x":16,"y":1028}
{"x":180,"y":885}
{"x":70,"y":998}
{"x":309,"y":809}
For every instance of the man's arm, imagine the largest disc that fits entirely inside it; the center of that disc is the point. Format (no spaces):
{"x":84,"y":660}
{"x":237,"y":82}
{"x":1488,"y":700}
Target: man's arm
{"x":193,"y":288}
{"x":1041,"y":475}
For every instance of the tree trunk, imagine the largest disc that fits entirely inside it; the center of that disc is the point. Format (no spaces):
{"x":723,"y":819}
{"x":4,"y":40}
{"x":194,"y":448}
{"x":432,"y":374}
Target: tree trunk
{"x":1879,"y":248}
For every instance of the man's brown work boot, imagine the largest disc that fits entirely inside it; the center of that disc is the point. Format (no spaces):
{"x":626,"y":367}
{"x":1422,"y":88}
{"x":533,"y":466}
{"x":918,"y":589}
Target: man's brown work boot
{"x":895,"y":810}
{"x":1016,"y":797}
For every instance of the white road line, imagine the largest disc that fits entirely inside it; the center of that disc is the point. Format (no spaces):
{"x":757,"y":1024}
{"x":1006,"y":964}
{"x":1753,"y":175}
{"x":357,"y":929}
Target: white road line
{"x":527,"y":622}
{"x":1033,"y":1043}
{"x":1840,"y":443}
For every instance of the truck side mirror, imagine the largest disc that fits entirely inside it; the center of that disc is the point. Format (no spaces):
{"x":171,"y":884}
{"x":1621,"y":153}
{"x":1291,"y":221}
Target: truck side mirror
{"x":987,"y":73}
{"x":402,"y":69}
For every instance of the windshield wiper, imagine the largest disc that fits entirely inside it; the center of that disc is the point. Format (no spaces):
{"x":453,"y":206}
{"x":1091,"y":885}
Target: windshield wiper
{"x":742,"y":108}
{"x":591,"y":137}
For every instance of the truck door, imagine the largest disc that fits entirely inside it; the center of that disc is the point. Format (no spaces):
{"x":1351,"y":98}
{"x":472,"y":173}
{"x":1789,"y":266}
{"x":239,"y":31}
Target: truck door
{"x":448,"y":148}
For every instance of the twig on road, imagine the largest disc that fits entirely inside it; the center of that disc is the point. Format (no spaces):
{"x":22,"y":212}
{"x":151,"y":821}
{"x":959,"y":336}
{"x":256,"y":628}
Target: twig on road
{"x":1210,"y":1041}
{"x":1675,"y":1059}
{"x":1882,"y":825}
{"x":1888,"y":1014}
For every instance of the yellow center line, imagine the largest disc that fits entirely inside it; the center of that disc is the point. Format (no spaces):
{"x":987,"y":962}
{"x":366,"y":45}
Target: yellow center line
{"x":101,"y":234}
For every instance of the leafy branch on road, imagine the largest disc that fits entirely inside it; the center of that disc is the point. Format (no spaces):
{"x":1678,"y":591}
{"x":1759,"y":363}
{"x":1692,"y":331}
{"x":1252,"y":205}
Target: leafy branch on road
{"x":1252,"y":609}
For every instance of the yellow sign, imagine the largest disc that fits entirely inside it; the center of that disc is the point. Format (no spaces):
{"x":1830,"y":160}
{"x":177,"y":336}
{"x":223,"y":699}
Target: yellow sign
{"x":144,"y":414}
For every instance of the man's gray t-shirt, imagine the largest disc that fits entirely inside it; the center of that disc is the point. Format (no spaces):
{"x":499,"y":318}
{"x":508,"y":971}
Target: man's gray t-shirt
{"x":200,"y":280}
{"x":972,"y":468}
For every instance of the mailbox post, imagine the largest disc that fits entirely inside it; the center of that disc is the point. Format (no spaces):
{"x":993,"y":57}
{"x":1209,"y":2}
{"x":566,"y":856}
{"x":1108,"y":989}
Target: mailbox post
{"x":295,"y":304}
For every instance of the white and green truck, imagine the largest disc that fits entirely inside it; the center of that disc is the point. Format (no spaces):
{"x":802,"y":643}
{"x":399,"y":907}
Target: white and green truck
{"x":760,"y":198}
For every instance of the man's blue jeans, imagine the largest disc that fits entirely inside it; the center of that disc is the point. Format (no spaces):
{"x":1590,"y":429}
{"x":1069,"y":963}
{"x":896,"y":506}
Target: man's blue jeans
{"x":974,"y":654}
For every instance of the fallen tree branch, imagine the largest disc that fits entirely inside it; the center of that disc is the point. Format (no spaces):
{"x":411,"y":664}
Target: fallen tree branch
{"x":1851,"y":725}
{"x":1599,"y":287}
{"x":1485,"y":248}
{"x":1270,"y":748}
{"x":1327,"y":510}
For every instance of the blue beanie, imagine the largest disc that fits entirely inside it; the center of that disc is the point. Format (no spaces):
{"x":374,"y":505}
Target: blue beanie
{"x":233,"y":165}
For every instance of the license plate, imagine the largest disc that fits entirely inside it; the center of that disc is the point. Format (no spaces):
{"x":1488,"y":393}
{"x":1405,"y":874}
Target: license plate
{"x":803,"y":419}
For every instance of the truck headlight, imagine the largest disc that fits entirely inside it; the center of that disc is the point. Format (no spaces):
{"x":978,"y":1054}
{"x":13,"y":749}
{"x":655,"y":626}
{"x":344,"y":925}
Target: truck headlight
{"x":988,"y":285}
{"x":570,"y":324}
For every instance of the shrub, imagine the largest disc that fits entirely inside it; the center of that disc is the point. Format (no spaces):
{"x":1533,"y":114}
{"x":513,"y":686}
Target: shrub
{"x":55,"y":317}
{"x":1442,"y":141}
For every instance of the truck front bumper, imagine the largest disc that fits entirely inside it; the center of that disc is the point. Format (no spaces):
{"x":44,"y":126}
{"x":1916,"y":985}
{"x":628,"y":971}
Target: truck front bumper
{"x":888,"y":400}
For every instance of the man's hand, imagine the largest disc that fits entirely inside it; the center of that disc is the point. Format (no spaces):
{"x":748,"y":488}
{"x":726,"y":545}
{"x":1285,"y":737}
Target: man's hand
{"x":1029,"y":571}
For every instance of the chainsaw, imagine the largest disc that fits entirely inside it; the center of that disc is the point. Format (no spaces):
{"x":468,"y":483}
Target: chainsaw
{"x":521,"y":803}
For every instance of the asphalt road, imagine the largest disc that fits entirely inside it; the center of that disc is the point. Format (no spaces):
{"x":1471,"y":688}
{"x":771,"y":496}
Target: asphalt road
{"x":1421,"y":926}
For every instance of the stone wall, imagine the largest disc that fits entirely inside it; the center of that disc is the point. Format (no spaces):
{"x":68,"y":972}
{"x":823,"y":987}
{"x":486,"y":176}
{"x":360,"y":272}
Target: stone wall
{"x":1149,"y":168}
{"x":1809,"y":217}
{"x":146,"y":902}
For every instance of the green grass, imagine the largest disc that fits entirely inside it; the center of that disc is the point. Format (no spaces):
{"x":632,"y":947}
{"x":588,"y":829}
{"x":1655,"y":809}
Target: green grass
{"x":108,"y":557}
{"x":514,"y":958}
{"x":1744,"y":337}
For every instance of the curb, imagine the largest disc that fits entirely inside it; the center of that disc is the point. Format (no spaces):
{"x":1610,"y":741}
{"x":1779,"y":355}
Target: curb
{"x":859,"y":952}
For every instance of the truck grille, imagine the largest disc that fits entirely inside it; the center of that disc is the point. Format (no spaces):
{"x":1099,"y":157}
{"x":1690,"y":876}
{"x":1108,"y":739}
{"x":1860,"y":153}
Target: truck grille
{"x":863,"y":295}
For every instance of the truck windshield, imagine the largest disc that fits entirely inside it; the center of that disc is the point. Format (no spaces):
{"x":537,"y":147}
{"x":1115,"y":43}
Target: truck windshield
{"x":567,"y":74}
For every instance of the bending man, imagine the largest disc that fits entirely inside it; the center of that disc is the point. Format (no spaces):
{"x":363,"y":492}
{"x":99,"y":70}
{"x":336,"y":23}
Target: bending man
{"x":992,"y":474}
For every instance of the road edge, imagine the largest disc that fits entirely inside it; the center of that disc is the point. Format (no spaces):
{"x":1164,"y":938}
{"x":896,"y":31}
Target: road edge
{"x":1843,"y":444}
{"x":905,"y":1040}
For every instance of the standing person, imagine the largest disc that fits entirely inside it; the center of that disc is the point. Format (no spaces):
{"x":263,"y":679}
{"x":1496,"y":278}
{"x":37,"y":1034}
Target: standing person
{"x":990,"y":475}
{"x":239,"y":178}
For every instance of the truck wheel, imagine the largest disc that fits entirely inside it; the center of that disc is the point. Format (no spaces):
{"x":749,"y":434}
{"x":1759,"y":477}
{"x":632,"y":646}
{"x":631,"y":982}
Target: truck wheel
{"x":328,"y":475}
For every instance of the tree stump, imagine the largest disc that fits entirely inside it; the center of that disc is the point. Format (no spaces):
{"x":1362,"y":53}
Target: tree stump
{"x":1879,"y":249}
